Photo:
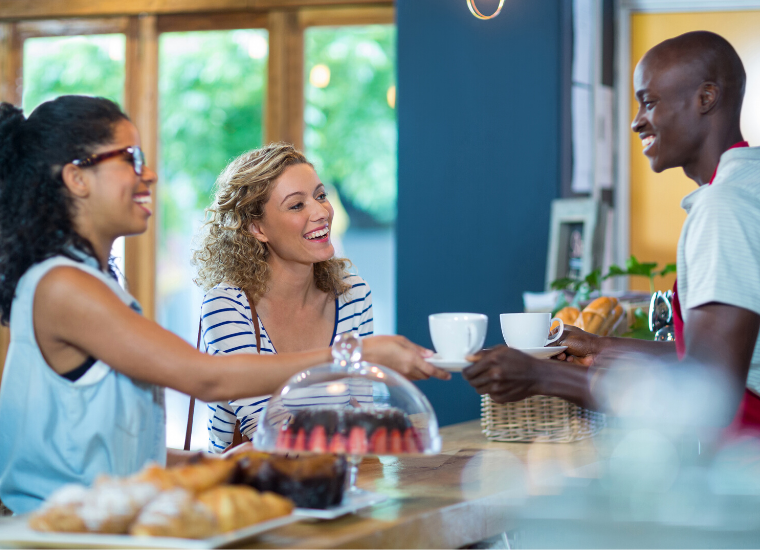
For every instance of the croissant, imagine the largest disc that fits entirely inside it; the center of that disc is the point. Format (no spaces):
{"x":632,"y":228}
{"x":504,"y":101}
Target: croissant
{"x":238,"y":506}
{"x":60,"y":511}
{"x":200,"y":477}
{"x":108,"y":507}
{"x":193,"y":477}
{"x":175,"y":513}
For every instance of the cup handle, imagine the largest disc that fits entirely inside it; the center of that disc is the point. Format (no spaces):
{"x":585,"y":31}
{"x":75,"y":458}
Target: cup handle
{"x":559,"y":332}
{"x":470,"y":338}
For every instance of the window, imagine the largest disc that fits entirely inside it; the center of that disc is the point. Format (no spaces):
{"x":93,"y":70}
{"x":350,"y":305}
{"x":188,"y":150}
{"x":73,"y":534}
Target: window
{"x":211,"y":106}
{"x":351,"y":137}
{"x":87,"y":65}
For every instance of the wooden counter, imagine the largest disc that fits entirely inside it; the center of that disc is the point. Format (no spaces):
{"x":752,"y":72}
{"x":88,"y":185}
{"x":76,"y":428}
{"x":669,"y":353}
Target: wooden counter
{"x":466,"y":494}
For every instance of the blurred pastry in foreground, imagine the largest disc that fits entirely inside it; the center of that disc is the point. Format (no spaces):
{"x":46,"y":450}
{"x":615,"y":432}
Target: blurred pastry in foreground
{"x":109,"y":506}
{"x":238,"y":506}
{"x":60,"y":511}
{"x":311,"y":481}
{"x":175,"y":513}
{"x":192,"y":477}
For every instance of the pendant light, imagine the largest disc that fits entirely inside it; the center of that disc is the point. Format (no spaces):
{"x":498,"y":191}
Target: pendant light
{"x":476,"y":12}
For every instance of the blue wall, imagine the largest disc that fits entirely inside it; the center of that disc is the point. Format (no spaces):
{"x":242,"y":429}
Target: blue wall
{"x":480,"y":125}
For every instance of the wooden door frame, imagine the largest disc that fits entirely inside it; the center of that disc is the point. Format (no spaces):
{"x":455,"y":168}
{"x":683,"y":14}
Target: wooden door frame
{"x":624,"y":10}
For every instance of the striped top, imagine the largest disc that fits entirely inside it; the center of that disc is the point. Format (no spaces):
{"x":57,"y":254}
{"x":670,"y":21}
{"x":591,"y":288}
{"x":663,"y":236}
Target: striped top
{"x":227,"y":327}
{"x":719,"y":248}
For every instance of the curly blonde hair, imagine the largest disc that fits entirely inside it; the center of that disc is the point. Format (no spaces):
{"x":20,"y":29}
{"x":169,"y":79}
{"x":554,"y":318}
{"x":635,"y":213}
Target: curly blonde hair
{"x":228,"y":250}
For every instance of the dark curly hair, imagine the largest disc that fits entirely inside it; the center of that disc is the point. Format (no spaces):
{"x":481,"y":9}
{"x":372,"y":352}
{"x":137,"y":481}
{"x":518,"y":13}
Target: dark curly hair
{"x":36,"y":209}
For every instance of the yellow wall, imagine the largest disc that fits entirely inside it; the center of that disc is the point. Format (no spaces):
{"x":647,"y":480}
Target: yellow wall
{"x":656,"y":214}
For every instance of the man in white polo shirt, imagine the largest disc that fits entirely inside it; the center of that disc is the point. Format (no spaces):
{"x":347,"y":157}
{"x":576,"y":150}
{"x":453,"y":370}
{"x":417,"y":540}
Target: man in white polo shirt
{"x":690,"y":91}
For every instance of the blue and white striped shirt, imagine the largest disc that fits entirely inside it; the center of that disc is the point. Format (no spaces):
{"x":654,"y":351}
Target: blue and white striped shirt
{"x":227,"y":327}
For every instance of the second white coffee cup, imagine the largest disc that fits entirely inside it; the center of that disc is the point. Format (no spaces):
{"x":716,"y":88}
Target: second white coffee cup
{"x":457,"y":335}
{"x":528,"y":330}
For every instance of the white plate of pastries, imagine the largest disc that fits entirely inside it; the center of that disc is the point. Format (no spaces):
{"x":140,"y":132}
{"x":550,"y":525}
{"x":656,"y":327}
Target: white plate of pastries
{"x":186,"y":507}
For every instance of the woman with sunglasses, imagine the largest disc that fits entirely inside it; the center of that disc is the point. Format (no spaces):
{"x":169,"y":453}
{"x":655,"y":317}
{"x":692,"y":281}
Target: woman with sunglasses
{"x":82,"y":387}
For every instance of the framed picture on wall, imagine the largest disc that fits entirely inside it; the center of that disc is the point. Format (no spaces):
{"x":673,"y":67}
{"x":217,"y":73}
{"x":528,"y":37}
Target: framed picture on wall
{"x":576,"y":238}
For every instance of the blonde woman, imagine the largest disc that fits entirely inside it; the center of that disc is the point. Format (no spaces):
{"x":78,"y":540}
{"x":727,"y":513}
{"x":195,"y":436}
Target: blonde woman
{"x":268,"y":241}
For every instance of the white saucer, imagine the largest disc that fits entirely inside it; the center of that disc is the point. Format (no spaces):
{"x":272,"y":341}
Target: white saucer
{"x":543,"y":353}
{"x":451,"y":365}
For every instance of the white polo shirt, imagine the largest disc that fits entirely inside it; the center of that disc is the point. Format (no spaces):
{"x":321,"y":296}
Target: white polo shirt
{"x":719,"y":249}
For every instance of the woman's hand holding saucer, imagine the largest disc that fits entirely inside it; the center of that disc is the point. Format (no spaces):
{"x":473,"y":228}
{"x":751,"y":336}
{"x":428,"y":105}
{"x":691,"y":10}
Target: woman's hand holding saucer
{"x":403,"y":356}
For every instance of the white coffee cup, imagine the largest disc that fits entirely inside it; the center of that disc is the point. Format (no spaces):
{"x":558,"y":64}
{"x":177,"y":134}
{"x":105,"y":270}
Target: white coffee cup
{"x":456,"y":335}
{"x":529,"y":330}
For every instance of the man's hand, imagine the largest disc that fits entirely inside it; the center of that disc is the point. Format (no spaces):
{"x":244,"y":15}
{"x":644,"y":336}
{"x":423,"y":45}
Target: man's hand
{"x":403,"y":356}
{"x":504,"y":373}
{"x":582,"y":347}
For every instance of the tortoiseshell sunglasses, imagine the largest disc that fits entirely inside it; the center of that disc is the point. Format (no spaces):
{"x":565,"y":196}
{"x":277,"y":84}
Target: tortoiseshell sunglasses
{"x":136,"y":157}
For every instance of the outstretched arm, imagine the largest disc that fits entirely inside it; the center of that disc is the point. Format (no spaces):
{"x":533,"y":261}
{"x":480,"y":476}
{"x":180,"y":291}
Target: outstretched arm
{"x":718,"y":336}
{"x":75,"y":311}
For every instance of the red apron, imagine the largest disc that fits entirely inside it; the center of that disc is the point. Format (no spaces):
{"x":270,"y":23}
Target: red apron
{"x":748,"y":415}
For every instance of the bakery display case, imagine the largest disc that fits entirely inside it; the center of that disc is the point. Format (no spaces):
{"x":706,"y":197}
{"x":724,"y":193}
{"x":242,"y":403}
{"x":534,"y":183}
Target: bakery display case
{"x":348,"y":407}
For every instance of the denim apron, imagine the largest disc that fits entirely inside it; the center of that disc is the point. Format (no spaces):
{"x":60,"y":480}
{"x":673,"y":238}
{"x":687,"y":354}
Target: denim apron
{"x":54,"y":431}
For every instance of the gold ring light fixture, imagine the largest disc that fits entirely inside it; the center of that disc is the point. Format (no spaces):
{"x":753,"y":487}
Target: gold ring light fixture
{"x":476,"y":12}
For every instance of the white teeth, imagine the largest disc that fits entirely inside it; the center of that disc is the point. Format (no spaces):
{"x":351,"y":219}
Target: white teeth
{"x":647,"y":141}
{"x":317,"y":234}
{"x":142,"y":199}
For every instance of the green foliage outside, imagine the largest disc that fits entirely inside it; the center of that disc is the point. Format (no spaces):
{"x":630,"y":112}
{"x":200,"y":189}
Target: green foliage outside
{"x":90,"y":65}
{"x":211,"y":105}
{"x":212,"y":92}
{"x":351,"y":134}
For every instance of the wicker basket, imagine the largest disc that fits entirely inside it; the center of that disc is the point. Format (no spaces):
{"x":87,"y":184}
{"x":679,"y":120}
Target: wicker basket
{"x":548,"y":419}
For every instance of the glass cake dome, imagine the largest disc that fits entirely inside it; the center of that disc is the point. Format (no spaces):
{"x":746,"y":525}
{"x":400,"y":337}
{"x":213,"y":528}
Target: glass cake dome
{"x":348,"y":407}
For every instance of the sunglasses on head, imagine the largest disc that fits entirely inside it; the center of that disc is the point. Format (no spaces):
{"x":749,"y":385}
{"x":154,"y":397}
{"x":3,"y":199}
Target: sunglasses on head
{"x":135,"y":156}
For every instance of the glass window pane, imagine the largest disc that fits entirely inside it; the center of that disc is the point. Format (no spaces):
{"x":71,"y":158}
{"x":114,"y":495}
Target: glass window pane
{"x":351,"y":137}
{"x":87,"y":65}
{"x":211,"y":103}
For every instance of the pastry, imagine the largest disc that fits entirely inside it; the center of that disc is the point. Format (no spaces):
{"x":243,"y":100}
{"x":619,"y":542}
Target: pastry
{"x":175,"y":513}
{"x":60,"y":511}
{"x":109,"y":506}
{"x":204,"y":475}
{"x":194,"y":477}
{"x":610,"y":321}
{"x":238,"y":506}
{"x":311,"y":481}
{"x":594,"y":314}
{"x":569,"y":315}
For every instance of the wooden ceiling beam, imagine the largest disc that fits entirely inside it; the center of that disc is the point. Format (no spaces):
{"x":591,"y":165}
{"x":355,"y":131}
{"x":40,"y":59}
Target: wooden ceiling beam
{"x":12,"y":10}
{"x":217,"y":21}
{"x":72,"y":27}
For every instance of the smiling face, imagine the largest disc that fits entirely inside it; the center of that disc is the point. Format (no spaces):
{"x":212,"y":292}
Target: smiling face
{"x":668,"y":121}
{"x":297,"y":218}
{"x":117,"y":199}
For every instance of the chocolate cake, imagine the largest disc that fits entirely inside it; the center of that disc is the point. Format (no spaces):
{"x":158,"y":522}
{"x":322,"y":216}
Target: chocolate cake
{"x":313,"y":481}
